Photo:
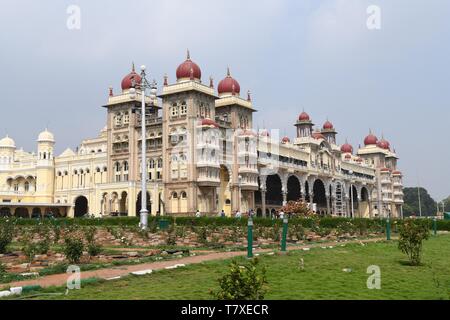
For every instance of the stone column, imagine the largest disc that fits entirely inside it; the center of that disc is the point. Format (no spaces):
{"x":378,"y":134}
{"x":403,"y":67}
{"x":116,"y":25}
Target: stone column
{"x":358,"y":202}
{"x":348,"y":206}
{"x":327,"y":196}
{"x":311,"y":199}
{"x":263,"y":202}
{"x":284,"y":193}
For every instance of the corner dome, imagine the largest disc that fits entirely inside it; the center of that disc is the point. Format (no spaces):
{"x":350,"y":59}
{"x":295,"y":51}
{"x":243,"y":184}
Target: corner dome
{"x":46,"y":136}
{"x":371,"y":139}
{"x":346,"y":148}
{"x":229,"y":85}
{"x":189,"y":69}
{"x":328,"y":125}
{"x":131,"y":80}
{"x":384,"y":144}
{"x":303,"y":116}
{"x":7,"y":142}
{"x":285,"y":140}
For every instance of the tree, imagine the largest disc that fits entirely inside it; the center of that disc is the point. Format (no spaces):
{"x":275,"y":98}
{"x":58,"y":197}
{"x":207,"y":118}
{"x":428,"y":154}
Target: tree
{"x":411,"y":205}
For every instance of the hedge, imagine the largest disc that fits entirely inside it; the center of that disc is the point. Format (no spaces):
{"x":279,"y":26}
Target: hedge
{"x":308,"y":222}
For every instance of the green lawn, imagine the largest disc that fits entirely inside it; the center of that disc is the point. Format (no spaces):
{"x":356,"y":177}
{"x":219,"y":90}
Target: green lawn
{"x":322,"y":277}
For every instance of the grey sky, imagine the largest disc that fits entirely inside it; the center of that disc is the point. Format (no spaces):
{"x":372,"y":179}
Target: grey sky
{"x":316,"y":55}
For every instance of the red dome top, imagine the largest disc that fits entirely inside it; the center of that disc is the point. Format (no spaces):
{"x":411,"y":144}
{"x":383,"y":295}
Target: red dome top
{"x":397,"y":173}
{"x":384,"y":144}
{"x":384,"y":170}
{"x":317,"y":135}
{"x":189,"y":69}
{"x":208,"y":122}
{"x":347,"y":148}
{"x":229,"y":85}
{"x":131,"y":80}
{"x":285,"y":140}
{"x":328,"y":125}
{"x":303,"y":116}
{"x":370,"y":139}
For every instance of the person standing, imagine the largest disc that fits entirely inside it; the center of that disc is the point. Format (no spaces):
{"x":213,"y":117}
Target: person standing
{"x":197,"y":214}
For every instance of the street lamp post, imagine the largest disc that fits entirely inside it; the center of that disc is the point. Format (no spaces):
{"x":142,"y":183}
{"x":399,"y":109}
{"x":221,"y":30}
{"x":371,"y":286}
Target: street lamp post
{"x":144,"y":85}
{"x":351,"y":193}
{"x":239,"y":189}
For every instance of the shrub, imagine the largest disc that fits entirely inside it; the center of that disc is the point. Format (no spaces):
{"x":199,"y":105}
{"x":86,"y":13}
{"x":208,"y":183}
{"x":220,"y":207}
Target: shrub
{"x":6,"y":234}
{"x":411,"y":236}
{"x":56,"y":233}
{"x":242,"y":282}
{"x":73,"y":249}
{"x":297,"y":208}
{"x":94,"y":249}
{"x":3,"y":272}
{"x":202,"y":235}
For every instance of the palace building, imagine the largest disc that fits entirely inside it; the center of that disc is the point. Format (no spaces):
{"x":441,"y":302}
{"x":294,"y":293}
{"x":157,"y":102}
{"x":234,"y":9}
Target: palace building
{"x":202,"y":154}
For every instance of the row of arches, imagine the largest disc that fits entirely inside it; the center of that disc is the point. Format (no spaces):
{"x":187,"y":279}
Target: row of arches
{"x":323,"y":197}
{"x":23,"y":212}
{"x":115,"y":203}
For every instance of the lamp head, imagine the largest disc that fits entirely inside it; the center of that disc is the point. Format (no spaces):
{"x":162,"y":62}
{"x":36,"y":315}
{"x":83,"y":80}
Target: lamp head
{"x":132,"y":93}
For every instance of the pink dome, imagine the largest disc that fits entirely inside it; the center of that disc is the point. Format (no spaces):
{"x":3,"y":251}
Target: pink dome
{"x":384,"y":144}
{"x":303,"y":116}
{"x":347,"y":148}
{"x":285,"y":140}
{"x":189,"y":69}
{"x":131,"y":80}
{"x":371,"y":139}
{"x":229,"y":85}
{"x":328,"y":125}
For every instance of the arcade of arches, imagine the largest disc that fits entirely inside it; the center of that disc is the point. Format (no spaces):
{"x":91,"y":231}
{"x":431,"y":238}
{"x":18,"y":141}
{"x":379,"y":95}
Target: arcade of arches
{"x":322,"y":196}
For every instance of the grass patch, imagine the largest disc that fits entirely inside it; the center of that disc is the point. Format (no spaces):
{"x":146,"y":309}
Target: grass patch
{"x":321,"y":278}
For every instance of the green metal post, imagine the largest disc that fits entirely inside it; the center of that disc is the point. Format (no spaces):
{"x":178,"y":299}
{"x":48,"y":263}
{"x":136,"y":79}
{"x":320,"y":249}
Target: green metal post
{"x":250,"y":238}
{"x":283,"y":238}
{"x":388,"y":229}
{"x":434,"y":226}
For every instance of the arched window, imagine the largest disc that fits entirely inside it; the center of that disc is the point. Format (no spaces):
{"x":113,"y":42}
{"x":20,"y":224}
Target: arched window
{"x":159,"y":163}
{"x":174,"y":195}
{"x":126,"y":118}
{"x":174,"y":110}
{"x":183,"y":195}
{"x":183,"y":108}
{"x":117,"y":172}
{"x":125,"y":171}
{"x":27,"y":186}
